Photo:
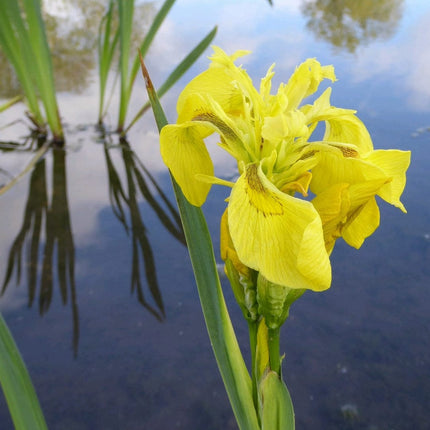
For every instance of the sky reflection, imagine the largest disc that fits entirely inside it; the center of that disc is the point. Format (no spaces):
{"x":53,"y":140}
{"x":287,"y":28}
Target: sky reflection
{"x":376,"y":312}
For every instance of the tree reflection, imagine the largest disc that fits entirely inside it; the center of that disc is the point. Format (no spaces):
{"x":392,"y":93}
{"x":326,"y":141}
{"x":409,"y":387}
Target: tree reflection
{"x":346,"y":24}
{"x":72,"y":30}
{"x":49,"y":217}
{"x":124,"y":196}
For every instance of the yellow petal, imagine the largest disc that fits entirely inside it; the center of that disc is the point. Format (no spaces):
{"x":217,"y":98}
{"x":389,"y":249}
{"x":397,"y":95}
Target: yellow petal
{"x":276,"y":234}
{"x":216,"y":83}
{"x":349,"y":129}
{"x":305,"y":81}
{"x":349,"y":211}
{"x":203,"y":109}
{"x":284,"y":125}
{"x":333,"y":168}
{"x":224,"y":82}
{"x":333,"y":205}
{"x":301,"y":185}
{"x":394,"y":164}
{"x":185,"y":154}
{"x":227,"y":248}
{"x":322,"y":110}
{"x":362,"y":225}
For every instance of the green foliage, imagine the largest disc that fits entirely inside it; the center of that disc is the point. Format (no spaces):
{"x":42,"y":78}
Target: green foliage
{"x":227,"y":352}
{"x":110,"y":39}
{"x":10,"y":103}
{"x":23,"y":40}
{"x":17,"y":386}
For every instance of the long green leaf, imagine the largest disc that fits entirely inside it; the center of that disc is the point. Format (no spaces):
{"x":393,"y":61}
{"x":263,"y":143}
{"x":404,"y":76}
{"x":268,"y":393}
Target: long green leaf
{"x":224,"y":343}
{"x":106,"y":45}
{"x":156,"y":24}
{"x":127,"y":84}
{"x":24,"y":41}
{"x":182,"y":67}
{"x":43,"y":62}
{"x":17,"y":386}
{"x":17,"y":52}
{"x":126,"y":11}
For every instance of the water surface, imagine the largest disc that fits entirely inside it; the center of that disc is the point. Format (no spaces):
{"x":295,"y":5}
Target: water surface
{"x":105,"y":311}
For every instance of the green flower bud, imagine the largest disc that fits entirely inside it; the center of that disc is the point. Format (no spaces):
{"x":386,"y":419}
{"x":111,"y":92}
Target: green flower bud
{"x":244,"y":289}
{"x":274,"y":301}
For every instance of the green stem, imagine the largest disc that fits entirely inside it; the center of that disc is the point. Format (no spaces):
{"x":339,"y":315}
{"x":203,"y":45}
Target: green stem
{"x":252,"y":329}
{"x":274,"y":356}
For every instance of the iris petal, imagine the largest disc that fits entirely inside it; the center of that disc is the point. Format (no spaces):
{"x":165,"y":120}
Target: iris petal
{"x":185,"y":154}
{"x":277,"y":234}
{"x":394,"y":164}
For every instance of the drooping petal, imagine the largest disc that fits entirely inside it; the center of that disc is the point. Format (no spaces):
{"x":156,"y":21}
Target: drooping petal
{"x":184,"y":152}
{"x":349,"y":211}
{"x":363,"y":224}
{"x":394,"y":164}
{"x":276,"y":234}
{"x":334,"y":167}
{"x":333,"y":205}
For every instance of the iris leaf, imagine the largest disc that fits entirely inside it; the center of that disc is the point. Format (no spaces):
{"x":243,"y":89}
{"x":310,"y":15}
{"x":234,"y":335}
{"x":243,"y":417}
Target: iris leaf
{"x":17,"y":386}
{"x":226,"y":349}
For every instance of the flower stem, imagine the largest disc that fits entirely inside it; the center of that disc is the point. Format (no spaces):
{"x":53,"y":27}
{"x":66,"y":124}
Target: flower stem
{"x":274,"y":357}
{"x":252,"y":329}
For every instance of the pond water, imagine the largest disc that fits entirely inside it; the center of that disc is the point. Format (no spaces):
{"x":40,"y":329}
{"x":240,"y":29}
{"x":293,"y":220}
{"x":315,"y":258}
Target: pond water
{"x":104,"y":308}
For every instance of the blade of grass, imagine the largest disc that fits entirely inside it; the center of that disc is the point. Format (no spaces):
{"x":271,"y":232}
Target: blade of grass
{"x":129,"y":81}
{"x":183,"y":66}
{"x":17,"y":386}
{"x":10,"y":103}
{"x":106,"y":45}
{"x":226,"y":349}
{"x":125,"y":11}
{"x":42,"y":60}
{"x":17,"y":52}
{"x":23,"y":38}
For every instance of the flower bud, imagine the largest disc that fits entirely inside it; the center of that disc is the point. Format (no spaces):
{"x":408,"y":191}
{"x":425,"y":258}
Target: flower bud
{"x":274,"y":301}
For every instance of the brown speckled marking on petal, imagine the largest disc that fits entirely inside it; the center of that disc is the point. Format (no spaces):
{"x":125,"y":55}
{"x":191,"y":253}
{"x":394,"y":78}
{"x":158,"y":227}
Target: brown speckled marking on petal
{"x":260,"y":198}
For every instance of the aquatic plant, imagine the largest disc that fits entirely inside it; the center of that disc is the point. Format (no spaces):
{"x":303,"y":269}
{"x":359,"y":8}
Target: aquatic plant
{"x":110,"y":39}
{"x":10,"y":103}
{"x":275,"y":244}
{"x":23,"y":40}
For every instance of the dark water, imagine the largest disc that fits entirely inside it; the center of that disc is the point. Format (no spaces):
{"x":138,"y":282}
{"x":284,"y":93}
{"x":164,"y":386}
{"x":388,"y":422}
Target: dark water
{"x":106,"y":312}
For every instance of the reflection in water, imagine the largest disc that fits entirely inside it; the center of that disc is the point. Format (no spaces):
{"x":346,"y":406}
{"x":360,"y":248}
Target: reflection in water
{"x":40,"y":259}
{"x":124,"y":200}
{"x":46,"y":239}
{"x":346,"y":24}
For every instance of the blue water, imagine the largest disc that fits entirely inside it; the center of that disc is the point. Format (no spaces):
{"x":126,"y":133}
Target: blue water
{"x":104,"y":354}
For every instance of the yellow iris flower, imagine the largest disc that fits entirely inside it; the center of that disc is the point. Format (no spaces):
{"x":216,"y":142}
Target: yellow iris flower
{"x":285,"y":238}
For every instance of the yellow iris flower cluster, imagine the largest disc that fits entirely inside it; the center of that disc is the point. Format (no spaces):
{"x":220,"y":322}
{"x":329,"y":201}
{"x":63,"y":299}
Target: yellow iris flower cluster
{"x":269,"y":226}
